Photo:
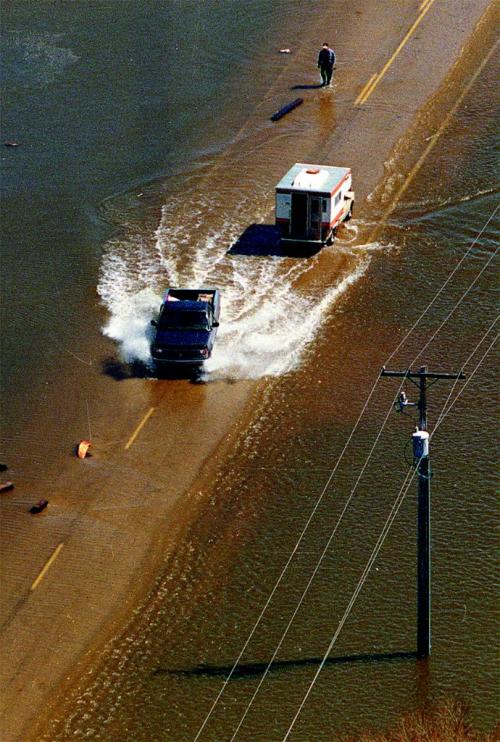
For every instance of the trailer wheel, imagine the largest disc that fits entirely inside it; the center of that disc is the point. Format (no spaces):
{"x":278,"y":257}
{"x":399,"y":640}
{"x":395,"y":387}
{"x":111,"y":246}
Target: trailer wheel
{"x":331,"y":237}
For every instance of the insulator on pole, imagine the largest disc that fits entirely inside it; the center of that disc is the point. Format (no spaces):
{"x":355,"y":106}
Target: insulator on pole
{"x":403,"y":401}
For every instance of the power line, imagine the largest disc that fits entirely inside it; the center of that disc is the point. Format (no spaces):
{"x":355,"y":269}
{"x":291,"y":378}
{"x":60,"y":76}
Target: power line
{"x":290,"y":622}
{"x":392,"y":515}
{"x":325,"y":550}
{"x":444,"y":411}
{"x":462,"y":259}
{"x":457,"y":304}
{"x":292,"y":554}
{"x":330,"y":478}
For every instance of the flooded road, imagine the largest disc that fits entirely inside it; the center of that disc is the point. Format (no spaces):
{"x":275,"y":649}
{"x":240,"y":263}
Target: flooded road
{"x":317,"y":331}
{"x":160,"y":679}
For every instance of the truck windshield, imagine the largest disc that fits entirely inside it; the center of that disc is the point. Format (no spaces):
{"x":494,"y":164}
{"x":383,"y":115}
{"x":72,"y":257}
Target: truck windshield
{"x":183,"y":320}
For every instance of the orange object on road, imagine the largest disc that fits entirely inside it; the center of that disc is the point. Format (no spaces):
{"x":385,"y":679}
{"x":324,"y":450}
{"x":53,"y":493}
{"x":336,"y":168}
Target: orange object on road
{"x":83,"y":448}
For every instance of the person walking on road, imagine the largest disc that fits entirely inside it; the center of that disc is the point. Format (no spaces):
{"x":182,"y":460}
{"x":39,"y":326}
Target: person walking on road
{"x":326,"y":61}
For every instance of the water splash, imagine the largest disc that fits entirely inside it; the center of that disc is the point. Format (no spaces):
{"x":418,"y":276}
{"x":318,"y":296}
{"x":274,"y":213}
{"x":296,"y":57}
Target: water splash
{"x":271,"y":307}
{"x":271,"y":337}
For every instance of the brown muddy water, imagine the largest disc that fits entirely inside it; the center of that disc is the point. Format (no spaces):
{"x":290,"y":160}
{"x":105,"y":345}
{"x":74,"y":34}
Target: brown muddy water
{"x":160,"y":678}
{"x":319,"y":342}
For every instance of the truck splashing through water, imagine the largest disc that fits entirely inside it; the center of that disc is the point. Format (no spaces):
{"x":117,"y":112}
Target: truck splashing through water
{"x":186,"y":327}
{"x":311,"y":202}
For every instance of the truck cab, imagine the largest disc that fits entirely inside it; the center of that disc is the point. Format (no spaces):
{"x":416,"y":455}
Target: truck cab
{"x":186,"y":327}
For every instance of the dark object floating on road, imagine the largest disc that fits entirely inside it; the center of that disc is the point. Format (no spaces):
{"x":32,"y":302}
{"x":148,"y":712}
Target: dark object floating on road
{"x":6,"y":486}
{"x":39,"y":506}
{"x":12,"y":144}
{"x":286,"y":109}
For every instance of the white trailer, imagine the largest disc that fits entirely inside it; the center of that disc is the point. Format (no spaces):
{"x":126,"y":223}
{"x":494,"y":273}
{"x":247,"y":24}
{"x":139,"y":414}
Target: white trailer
{"x":311,"y":201}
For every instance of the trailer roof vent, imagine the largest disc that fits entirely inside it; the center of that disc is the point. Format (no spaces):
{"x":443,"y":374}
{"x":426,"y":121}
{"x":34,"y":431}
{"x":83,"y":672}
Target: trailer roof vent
{"x":311,"y":179}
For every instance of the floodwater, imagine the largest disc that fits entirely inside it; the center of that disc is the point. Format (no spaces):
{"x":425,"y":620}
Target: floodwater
{"x":104,"y":104}
{"x":319,"y":341}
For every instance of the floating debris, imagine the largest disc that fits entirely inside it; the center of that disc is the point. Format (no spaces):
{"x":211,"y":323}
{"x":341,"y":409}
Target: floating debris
{"x":6,"y":487}
{"x":286,"y":109}
{"x":83,"y":448}
{"x":39,"y":506}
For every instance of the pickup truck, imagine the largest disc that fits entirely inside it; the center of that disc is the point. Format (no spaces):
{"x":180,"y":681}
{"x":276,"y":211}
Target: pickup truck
{"x":186,"y":326}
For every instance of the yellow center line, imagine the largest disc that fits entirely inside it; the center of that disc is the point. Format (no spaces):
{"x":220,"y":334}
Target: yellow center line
{"x":433,"y":140}
{"x":368,"y":89}
{"x":370,"y":82}
{"x":47,"y":566}
{"x":139,"y":428}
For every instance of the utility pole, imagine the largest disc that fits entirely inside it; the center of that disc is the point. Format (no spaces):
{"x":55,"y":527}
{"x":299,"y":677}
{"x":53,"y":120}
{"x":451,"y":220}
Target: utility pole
{"x":424,"y":503}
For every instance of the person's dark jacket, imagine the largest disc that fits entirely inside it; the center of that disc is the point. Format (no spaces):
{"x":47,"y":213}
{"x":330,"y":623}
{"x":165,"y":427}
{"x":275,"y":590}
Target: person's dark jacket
{"x":326,"y":58}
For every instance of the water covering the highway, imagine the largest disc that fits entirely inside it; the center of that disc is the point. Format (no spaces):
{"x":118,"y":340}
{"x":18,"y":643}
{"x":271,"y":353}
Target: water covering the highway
{"x":127,"y":182}
{"x":282,"y":316}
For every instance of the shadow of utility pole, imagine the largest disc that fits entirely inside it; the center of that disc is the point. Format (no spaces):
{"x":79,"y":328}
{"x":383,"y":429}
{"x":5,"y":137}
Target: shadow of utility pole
{"x":257,"y":668}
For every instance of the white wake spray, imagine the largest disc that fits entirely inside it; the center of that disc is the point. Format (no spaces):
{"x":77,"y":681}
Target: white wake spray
{"x":271,"y":307}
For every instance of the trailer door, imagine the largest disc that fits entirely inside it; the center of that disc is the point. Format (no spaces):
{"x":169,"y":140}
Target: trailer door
{"x":315,"y":218}
{"x":298,"y":228}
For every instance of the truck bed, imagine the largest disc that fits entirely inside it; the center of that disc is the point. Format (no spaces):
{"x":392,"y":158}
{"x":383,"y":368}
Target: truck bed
{"x":204,"y":295}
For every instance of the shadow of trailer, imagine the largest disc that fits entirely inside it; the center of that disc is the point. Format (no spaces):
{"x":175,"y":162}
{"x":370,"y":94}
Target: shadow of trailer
{"x":265,"y":240}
